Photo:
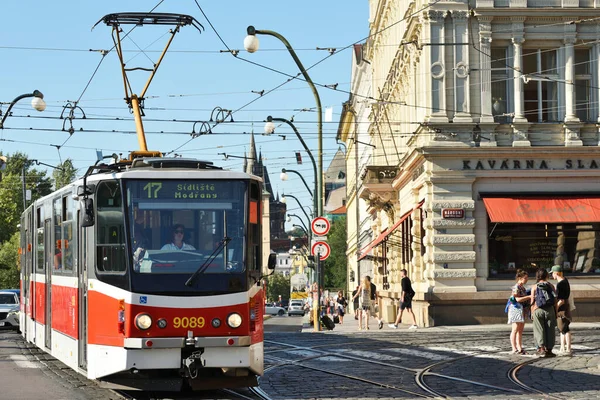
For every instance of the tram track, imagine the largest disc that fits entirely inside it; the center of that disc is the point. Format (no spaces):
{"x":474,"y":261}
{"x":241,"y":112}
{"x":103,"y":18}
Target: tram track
{"x":249,"y":393}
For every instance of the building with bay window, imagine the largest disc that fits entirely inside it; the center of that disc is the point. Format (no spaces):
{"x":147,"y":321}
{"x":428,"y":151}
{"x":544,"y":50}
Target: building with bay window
{"x":473,"y":152}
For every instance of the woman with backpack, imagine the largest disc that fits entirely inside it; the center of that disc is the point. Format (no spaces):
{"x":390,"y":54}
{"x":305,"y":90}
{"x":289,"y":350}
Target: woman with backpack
{"x":543,"y":300}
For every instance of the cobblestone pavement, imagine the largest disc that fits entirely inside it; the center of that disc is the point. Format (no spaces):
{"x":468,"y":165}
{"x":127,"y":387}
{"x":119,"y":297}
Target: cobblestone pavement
{"x":454,"y":362}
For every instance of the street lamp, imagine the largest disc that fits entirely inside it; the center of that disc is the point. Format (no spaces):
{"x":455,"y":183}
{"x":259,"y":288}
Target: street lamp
{"x":284,"y":201}
{"x":37,"y":103}
{"x":270,"y":128}
{"x":289,"y":219}
{"x":284,"y":177}
{"x":251,"y":44}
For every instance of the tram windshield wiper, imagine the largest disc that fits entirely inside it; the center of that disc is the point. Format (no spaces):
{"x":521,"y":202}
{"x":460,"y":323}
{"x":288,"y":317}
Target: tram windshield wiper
{"x":210,"y":259}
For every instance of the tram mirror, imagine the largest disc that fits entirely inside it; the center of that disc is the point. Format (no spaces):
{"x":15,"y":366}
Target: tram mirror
{"x":88,"y":213}
{"x":272,"y":262}
{"x":86,"y":190}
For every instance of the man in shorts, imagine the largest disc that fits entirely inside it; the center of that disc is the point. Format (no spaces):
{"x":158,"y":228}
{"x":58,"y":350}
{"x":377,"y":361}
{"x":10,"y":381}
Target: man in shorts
{"x":406,"y":295}
{"x":374,"y":297}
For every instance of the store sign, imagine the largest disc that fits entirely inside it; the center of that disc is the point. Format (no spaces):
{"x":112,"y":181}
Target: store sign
{"x":453,"y":213}
{"x":507,"y":164}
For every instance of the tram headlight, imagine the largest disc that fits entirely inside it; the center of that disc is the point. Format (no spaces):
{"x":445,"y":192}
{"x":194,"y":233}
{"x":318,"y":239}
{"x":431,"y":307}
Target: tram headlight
{"x":143,"y":321}
{"x":234,"y":320}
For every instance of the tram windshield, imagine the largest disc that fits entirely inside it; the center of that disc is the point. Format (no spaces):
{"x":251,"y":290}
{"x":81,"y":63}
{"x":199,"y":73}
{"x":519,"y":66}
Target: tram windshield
{"x":176,"y":226}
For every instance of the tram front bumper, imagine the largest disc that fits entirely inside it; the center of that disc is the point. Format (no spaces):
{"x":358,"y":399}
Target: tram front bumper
{"x":214,"y":352}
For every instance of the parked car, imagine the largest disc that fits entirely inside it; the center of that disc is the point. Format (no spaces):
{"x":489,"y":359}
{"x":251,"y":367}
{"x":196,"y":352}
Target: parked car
{"x":9,"y":309}
{"x":296,"y":307}
{"x":272,"y":309}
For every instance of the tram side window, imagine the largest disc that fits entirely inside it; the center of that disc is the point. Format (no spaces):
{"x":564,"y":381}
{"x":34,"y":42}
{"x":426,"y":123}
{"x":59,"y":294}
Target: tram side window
{"x":39,"y":244}
{"x":68,"y":250}
{"x":58,"y":245}
{"x":110,"y":234}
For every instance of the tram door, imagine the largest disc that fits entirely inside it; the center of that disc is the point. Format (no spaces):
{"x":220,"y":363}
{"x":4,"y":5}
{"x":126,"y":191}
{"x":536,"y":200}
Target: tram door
{"x":49,"y":265}
{"x":82,"y":284}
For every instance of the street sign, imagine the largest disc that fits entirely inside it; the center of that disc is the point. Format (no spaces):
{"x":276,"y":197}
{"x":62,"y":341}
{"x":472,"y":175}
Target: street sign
{"x":320,"y":226}
{"x":321,"y":248}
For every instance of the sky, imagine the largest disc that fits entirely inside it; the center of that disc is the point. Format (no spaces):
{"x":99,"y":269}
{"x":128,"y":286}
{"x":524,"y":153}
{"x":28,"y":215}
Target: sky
{"x":51,"y":47}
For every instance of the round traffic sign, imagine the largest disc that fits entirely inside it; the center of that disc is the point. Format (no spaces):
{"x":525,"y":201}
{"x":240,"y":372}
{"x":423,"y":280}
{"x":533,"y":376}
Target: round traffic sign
{"x":320,"y":226}
{"x":322,"y":249}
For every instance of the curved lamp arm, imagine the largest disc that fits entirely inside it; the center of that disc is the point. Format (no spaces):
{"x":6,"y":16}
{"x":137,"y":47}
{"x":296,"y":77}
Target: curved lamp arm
{"x":39,"y":105}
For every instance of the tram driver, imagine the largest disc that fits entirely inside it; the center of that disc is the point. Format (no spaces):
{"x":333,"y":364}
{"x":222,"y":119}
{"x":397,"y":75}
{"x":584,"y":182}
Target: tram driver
{"x":177,"y":242}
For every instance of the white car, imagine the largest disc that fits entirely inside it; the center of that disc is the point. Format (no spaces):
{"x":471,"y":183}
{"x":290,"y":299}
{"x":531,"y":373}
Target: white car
{"x":9,"y":309}
{"x":274,"y":310}
{"x":296,"y":307}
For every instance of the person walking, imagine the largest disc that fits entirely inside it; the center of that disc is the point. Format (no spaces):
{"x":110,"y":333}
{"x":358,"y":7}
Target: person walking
{"x":543,"y":300}
{"x":563,"y":292}
{"x":374,"y":298}
{"x":341,"y":306}
{"x":406,"y":297}
{"x":364,"y":292}
{"x":355,"y":302}
{"x":519,"y":310}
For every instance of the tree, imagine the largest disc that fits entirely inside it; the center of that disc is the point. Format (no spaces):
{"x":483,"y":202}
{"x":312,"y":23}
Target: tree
{"x":9,"y":271}
{"x":11,"y":191}
{"x":335,"y":267}
{"x":278,"y":285}
{"x":64,"y":174}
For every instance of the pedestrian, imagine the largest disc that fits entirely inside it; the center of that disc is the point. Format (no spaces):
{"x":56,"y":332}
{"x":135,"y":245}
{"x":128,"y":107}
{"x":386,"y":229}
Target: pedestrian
{"x":355,"y":302}
{"x":341,"y":306}
{"x":519,"y":310}
{"x":406,"y":296}
{"x":364,"y":292}
{"x":543,"y":300}
{"x":563,"y":317}
{"x":374,"y":298}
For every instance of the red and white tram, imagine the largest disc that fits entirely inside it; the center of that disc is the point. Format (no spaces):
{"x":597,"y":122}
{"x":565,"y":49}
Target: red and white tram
{"x":109,"y":291}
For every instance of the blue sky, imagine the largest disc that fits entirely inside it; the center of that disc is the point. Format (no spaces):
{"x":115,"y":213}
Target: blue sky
{"x":46,"y":46}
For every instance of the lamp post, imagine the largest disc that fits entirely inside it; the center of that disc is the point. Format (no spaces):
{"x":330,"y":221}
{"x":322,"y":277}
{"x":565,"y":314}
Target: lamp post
{"x":289,"y":219}
{"x":302,"y":229}
{"x":37,"y":103}
{"x":251,"y":44}
{"x":283,"y":176}
{"x":284,"y":201}
{"x":270,"y":128}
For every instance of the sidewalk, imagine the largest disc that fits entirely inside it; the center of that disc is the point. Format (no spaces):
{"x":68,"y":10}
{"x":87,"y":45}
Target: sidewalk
{"x":350,"y":326}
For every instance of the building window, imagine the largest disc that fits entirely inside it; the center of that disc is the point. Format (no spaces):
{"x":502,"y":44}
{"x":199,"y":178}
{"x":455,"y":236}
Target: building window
{"x":531,"y":246}
{"x":583,"y":86}
{"x":541,"y":85}
{"x":501,"y":89}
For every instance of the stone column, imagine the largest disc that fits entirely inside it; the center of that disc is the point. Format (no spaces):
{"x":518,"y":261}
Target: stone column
{"x":572,"y":124}
{"x":485,"y":70}
{"x":518,"y":81}
{"x":520,"y":124}
{"x":462,"y":92}
{"x":437,"y":68}
{"x":570,"y":115}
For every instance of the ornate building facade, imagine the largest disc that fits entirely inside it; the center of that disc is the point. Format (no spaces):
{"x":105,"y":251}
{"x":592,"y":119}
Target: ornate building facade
{"x":472,"y":138}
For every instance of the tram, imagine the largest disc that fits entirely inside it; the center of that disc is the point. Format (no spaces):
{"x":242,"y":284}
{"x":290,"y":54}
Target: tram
{"x":108,"y":292}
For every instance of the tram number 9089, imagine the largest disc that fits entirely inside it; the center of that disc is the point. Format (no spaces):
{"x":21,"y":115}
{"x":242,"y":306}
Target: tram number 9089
{"x":191,"y":322}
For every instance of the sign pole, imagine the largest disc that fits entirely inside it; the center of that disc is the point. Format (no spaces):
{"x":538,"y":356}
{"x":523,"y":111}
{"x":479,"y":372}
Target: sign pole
{"x":317,"y":308}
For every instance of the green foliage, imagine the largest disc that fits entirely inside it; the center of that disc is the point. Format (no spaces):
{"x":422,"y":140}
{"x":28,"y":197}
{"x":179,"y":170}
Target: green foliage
{"x":335,"y":267}
{"x":65,"y":175}
{"x":278,"y":285}
{"x":9,"y":271}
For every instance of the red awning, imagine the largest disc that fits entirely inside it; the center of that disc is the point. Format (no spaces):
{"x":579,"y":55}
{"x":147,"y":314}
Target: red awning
{"x":543,"y":210}
{"x":385,"y":233}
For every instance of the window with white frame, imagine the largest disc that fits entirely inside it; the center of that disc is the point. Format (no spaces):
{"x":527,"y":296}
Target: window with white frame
{"x":540,"y":90}
{"x":500,"y":66}
{"x":585,"y":105}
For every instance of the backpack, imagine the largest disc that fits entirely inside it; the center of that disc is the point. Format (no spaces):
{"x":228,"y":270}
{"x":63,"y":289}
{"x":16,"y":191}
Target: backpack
{"x":544,"y":295}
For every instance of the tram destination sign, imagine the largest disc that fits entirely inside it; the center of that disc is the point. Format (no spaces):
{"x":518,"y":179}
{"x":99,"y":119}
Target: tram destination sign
{"x":189,"y":190}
